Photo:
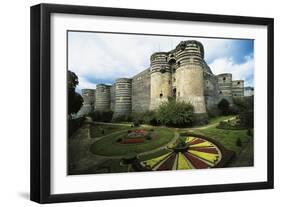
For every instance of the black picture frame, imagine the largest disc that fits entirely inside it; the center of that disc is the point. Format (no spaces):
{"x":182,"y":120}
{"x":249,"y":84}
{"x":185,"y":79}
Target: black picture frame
{"x":41,"y":96}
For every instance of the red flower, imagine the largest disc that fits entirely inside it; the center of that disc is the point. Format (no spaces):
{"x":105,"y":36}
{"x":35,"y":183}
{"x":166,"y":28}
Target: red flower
{"x":129,"y":141}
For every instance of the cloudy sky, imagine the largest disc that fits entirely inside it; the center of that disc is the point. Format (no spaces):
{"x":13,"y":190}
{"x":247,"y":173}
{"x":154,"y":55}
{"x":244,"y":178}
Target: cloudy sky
{"x":104,"y":57}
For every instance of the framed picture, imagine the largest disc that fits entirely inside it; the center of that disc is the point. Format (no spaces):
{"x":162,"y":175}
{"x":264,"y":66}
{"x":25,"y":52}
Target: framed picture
{"x":132,"y":103}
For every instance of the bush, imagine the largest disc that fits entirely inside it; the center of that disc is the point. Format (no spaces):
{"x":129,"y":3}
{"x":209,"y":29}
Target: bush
{"x":176,"y":114}
{"x":102,"y":116}
{"x":238,"y":142}
{"x":136,"y":123}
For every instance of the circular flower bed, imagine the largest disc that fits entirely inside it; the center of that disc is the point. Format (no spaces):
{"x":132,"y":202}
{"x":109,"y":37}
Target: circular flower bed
{"x":135,"y":136}
{"x":193,"y":153}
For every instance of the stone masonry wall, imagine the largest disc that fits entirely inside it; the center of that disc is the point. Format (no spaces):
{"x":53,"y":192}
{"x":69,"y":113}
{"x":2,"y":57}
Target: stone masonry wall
{"x":141,"y":91}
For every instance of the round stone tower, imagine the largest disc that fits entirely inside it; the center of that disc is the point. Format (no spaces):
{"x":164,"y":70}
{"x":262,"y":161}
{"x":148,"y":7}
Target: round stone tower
{"x":225,"y":84}
{"x":102,"y":97}
{"x":88,"y":106}
{"x":189,"y":76}
{"x":161,"y":79}
{"x":88,"y":96}
{"x":123,"y":97}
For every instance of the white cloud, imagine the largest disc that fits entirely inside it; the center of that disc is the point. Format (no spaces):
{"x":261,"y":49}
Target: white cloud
{"x":243,"y":71}
{"x":104,"y":57}
{"x":83,"y":83}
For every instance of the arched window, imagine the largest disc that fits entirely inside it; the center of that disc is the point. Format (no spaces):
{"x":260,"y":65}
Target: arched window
{"x":161,"y":95}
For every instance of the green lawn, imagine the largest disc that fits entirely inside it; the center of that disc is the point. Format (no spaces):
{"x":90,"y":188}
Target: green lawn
{"x":109,"y":147}
{"x":154,"y":154}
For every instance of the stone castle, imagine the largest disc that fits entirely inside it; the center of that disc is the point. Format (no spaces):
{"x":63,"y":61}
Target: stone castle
{"x":181,"y":73}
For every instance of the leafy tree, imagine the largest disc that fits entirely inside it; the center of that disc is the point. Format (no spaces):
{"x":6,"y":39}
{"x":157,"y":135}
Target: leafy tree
{"x":72,"y":80}
{"x":224,"y":107}
{"x":75,"y":100}
{"x":176,"y":113}
{"x":246,"y":111}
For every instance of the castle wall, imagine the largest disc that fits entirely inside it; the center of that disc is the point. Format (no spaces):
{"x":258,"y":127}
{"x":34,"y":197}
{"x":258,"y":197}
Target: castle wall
{"x":211,"y":86}
{"x":141,"y":91}
{"x":211,"y":93}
